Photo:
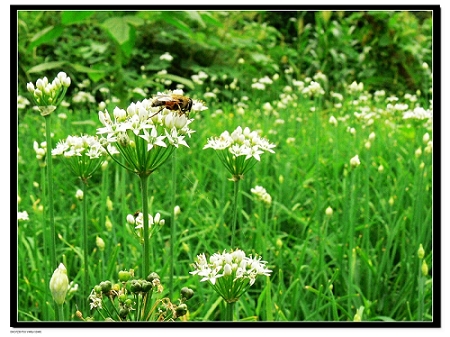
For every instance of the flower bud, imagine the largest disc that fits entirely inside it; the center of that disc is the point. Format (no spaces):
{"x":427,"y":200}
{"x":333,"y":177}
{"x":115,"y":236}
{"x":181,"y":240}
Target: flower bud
{"x":122,"y":298}
{"x":329,"y":211}
{"x":59,"y":284}
{"x":108,"y":224}
{"x":79,"y":195}
{"x":124,"y":312}
{"x":100,"y":243}
{"x":124,"y":276}
{"x":105,"y":286}
{"x":420,"y":252}
{"x":135,"y":286}
{"x":186,"y":293}
{"x":424,"y":268}
{"x":109,"y":204}
{"x":131,"y":219}
{"x":176,"y":210}
{"x":152,"y":276}
{"x":146,"y":286}
{"x":181,"y":310}
{"x":418,"y":152}
{"x":354,"y":162}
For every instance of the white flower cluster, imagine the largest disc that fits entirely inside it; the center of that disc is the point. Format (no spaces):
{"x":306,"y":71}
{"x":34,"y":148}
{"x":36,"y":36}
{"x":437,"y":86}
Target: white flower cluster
{"x":262,"y":195}
{"x":234,"y":265}
{"x":138,"y":220}
{"x":241,"y":143}
{"x":144,"y":120}
{"x":313,"y":89}
{"x":49,"y":94}
{"x":418,"y":113}
{"x":77,"y":146}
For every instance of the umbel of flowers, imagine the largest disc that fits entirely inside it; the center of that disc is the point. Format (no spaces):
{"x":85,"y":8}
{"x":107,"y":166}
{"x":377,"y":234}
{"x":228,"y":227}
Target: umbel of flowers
{"x":47,"y":96}
{"x":144,"y":135}
{"x":239,"y":150}
{"x":230,"y":274}
{"x":83,"y":154}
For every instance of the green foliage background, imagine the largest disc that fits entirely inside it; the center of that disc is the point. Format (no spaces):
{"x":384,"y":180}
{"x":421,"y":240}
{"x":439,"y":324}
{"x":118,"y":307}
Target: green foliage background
{"x":324,"y":268}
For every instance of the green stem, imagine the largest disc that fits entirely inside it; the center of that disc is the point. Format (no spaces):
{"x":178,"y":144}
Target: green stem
{"x":420,"y":308}
{"x":146,"y":257}
{"x":235,"y":201}
{"x":60,"y":312}
{"x":350,"y":236}
{"x":52,"y":237}
{"x":173,"y":225}
{"x":85,"y":288}
{"x":51,"y":232}
{"x":46,"y":246}
{"x":229,"y":312}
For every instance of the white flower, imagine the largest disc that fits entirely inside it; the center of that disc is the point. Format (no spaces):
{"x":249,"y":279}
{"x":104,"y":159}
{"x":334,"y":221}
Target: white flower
{"x":166,"y":57}
{"x":235,"y":267}
{"x":355,"y":161}
{"x":22,"y":216}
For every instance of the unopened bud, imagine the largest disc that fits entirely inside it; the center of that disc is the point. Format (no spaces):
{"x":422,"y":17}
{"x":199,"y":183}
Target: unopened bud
{"x":420,"y":252}
{"x":424,"y":268}
{"x":100,"y":243}
{"x":124,"y":275}
{"x":152,"y":276}
{"x":109,"y":204}
{"x":186,"y":293}
{"x":418,"y":152}
{"x":79,"y":195}
{"x":108,"y":224}
{"x":105,"y":286}
{"x":354,"y":162}
{"x":181,"y":310}
{"x":329,"y":211}
{"x":59,"y":284}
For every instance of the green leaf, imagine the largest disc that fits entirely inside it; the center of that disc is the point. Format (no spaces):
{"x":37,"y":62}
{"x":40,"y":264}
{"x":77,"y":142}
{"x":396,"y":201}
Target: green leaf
{"x":49,"y":34}
{"x":71,"y":17}
{"x":195,"y":16}
{"x":209,"y":19}
{"x":127,"y":47}
{"x":94,"y":74}
{"x":118,"y":29}
{"x":46,"y":66}
{"x":134,"y":20}
{"x":170,"y":19}
{"x":178,"y":79}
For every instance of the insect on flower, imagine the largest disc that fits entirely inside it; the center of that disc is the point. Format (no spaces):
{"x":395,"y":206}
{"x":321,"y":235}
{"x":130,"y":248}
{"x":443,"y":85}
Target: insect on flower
{"x":173,"y":102}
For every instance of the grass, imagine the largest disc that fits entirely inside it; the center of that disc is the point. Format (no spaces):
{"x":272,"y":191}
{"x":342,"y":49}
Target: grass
{"x":324,"y":267}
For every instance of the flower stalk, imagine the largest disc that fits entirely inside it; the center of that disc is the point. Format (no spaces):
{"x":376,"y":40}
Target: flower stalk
{"x":145,"y":136}
{"x":239,"y":152}
{"x":83,"y":156}
{"x":47,"y":96}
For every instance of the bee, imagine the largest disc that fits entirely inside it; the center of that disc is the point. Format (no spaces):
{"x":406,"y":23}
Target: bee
{"x":173,"y":102}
